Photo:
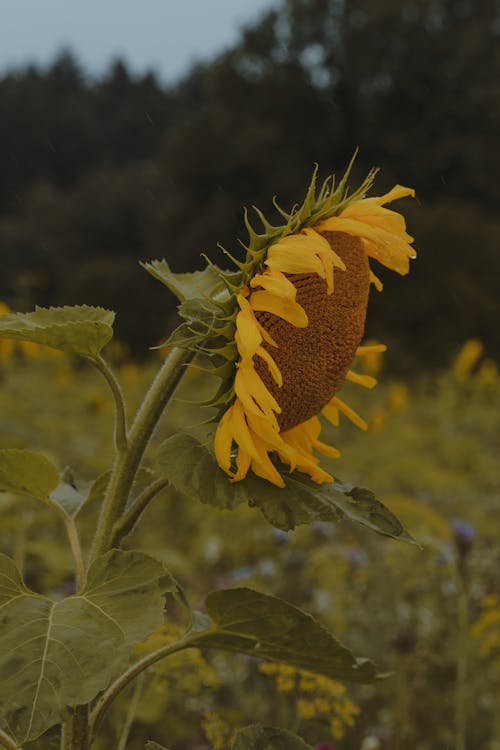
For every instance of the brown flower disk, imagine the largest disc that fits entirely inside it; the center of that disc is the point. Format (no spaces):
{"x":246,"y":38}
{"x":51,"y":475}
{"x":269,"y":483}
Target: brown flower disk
{"x":314,"y":360}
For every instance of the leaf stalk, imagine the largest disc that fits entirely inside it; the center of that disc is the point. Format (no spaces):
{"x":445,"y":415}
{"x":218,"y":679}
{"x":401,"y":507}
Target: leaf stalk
{"x":76,"y":549}
{"x":120,"y":435}
{"x":126,"y":523}
{"x":126,"y":678}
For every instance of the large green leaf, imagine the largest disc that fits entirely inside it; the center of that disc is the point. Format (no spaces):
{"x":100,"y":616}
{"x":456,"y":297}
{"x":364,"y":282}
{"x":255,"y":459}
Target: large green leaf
{"x":27,"y":472}
{"x":188,"y":286}
{"x":191,"y":468}
{"x":58,"y":654}
{"x":264,"y":626}
{"x":267,"y":738}
{"x":79,"y":330}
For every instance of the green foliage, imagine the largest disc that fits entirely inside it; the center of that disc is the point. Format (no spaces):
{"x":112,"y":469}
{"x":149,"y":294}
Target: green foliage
{"x":187,"y":286}
{"x":267,"y":738}
{"x":264,"y":626}
{"x":48,"y":655}
{"x":150,"y":745}
{"x":79,"y":330}
{"x":192,"y":469}
{"x":27,"y":472}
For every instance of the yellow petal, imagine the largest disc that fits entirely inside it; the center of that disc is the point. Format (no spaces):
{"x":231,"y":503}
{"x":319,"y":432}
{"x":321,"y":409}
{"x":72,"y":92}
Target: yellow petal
{"x":365,"y":380}
{"x":266,"y":335}
{"x":240,"y":430}
{"x":376,"y":281}
{"x":318,"y":475}
{"x":371,"y":349}
{"x":248,"y":337}
{"x":392,"y":256}
{"x":302,"y":439}
{"x":243,"y":461}
{"x":269,"y":435}
{"x":390,"y":249}
{"x":349,"y":413}
{"x":325,"y":449}
{"x":294,"y":254}
{"x":245,"y":307}
{"x":331,"y":413}
{"x":371,"y":212}
{"x":264,"y":468}
{"x":398,"y":191}
{"x":253,"y":393}
{"x":287,"y":309}
{"x":224,"y":440}
{"x":273,"y":367}
{"x":327,"y":256}
{"x":275,"y":282}
{"x":323,"y":246}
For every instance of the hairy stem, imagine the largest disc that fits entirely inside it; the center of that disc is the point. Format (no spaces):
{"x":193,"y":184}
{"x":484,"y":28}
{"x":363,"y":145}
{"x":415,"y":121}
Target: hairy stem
{"x":120,"y":412}
{"x":7,"y":742}
{"x":127,"y":462}
{"x":75,"y":731}
{"x":76,"y":550}
{"x":126,"y":678}
{"x":126,"y":523}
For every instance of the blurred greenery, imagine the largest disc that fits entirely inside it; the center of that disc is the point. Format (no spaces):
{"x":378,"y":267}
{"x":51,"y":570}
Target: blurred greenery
{"x":97,"y":174}
{"x":431,"y":454}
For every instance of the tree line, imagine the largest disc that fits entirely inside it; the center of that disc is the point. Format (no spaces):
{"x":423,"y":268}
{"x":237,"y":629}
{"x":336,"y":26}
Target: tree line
{"x":97,"y":174}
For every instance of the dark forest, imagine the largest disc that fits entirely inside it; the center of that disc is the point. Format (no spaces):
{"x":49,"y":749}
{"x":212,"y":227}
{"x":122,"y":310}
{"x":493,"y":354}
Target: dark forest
{"x":99,"y":174}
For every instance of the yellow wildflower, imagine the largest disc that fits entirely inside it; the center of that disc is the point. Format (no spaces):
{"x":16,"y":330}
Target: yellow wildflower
{"x":467,"y":357}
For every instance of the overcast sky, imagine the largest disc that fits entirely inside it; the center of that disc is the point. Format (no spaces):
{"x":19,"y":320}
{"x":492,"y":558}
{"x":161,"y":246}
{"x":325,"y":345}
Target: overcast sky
{"x":166,"y":35}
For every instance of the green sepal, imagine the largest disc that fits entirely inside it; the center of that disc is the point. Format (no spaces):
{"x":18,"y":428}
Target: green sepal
{"x":191,"y":285}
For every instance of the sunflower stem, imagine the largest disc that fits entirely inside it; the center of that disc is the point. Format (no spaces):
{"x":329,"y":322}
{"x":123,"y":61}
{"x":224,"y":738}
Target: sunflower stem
{"x":7,"y":742}
{"x":128,"y":461}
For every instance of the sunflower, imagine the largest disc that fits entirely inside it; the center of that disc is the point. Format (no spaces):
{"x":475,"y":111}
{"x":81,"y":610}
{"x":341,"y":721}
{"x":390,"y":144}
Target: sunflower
{"x":286,"y":336}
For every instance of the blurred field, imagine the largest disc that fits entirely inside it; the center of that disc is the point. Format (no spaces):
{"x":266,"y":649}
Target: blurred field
{"x":431,"y":454}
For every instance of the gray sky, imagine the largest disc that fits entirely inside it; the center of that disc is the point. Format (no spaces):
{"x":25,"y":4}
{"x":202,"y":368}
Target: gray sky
{"x":166,"y":35}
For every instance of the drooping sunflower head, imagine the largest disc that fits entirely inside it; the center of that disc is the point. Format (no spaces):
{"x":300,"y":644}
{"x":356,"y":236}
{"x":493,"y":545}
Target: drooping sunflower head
{"x":284,"y":334}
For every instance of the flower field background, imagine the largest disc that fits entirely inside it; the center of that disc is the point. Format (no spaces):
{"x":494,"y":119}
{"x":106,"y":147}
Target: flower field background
{"x":429,"y":617}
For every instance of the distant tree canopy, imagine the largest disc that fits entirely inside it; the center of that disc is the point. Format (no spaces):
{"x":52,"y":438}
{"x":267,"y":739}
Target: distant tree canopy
{"x":98,"y":174}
